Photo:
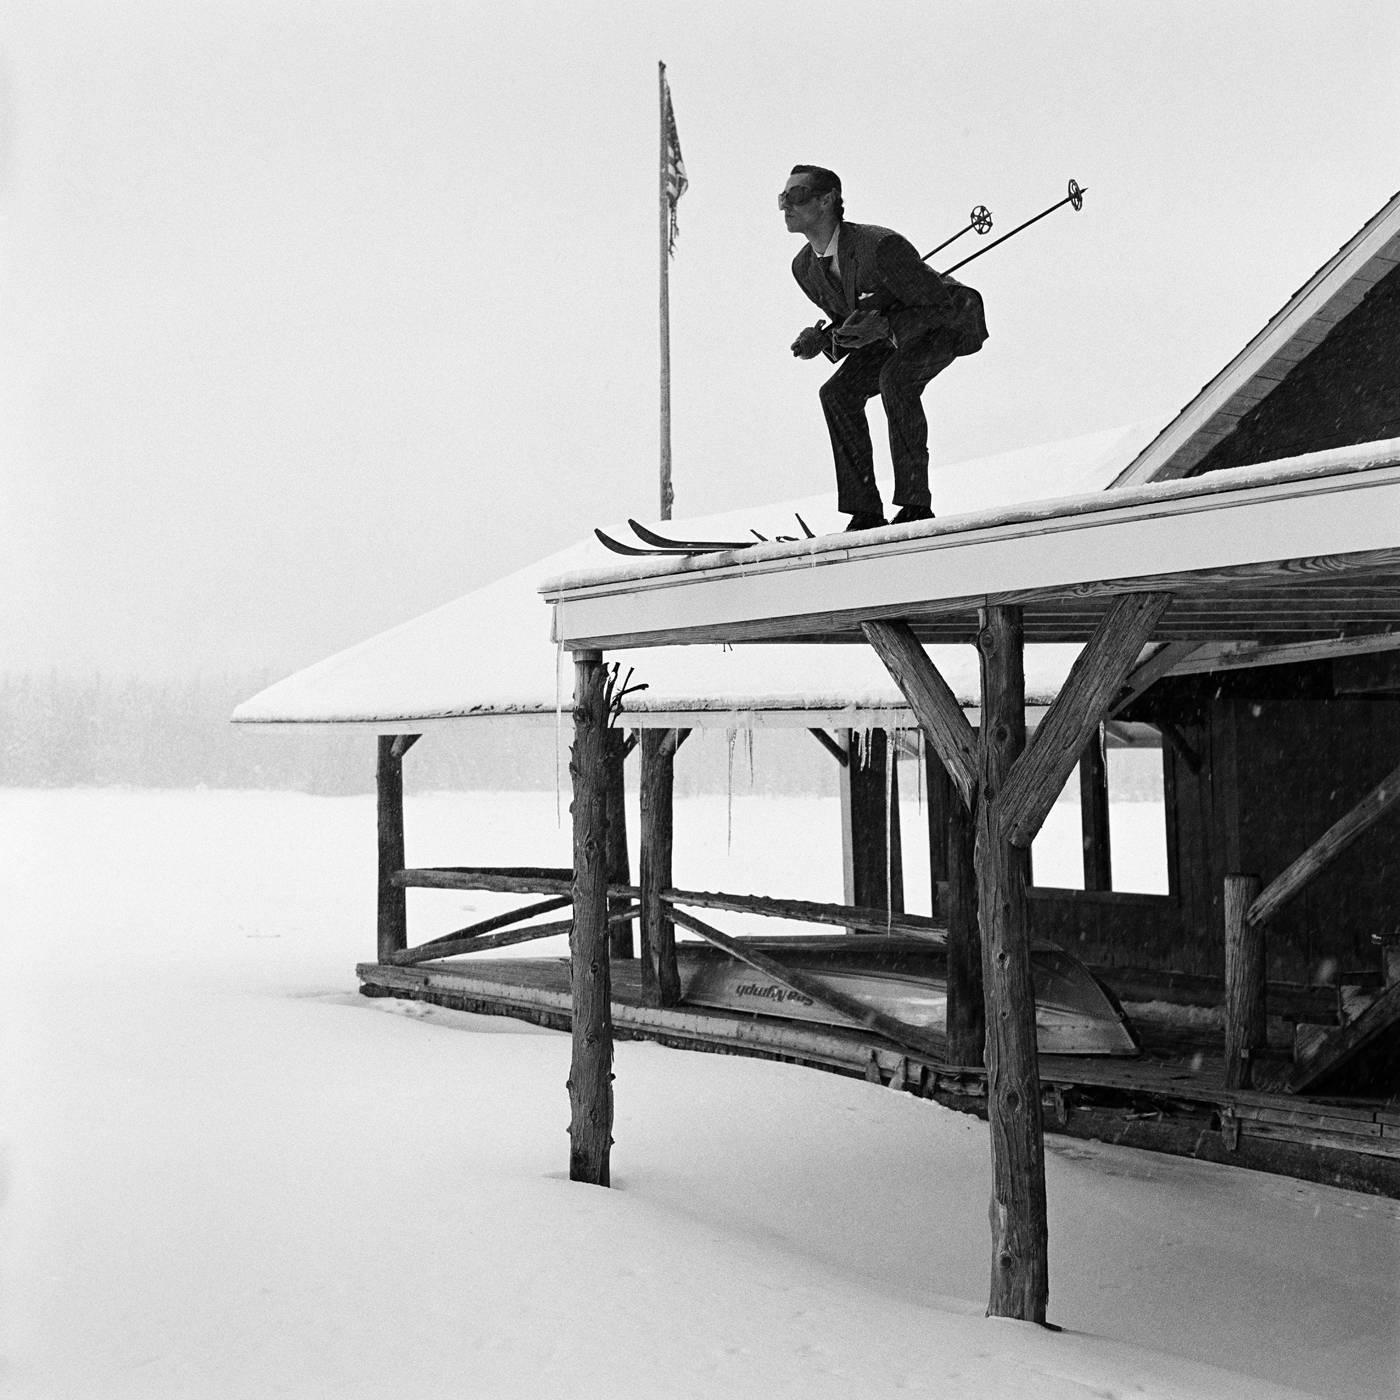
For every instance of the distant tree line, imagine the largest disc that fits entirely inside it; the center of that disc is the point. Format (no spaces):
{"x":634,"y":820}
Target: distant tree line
{"x":57,"y":730}
{"x":60,"y":731}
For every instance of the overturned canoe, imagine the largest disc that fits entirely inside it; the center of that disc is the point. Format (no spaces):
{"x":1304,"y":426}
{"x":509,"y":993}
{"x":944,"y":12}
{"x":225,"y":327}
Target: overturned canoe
{"x":905,"y":978}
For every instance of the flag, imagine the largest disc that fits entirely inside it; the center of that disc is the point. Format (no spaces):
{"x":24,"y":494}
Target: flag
{"x":673,"y":166}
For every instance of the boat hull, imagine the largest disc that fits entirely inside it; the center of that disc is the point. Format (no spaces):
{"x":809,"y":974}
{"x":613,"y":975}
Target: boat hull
{"x":907,"y":980}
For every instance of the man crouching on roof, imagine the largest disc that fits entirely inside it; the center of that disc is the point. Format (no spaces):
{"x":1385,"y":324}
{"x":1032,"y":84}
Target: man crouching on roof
{"x":895,"y":323}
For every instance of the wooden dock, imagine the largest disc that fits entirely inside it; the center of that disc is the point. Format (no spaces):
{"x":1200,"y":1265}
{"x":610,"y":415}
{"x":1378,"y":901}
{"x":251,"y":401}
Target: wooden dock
{"x":1170,"y":1099}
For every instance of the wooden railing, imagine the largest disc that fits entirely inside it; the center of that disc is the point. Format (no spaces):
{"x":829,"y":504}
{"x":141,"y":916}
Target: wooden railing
{"x":1249,"y":905}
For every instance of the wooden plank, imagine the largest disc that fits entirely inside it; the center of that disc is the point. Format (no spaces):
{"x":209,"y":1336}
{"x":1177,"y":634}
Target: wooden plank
{"x":1327,"y":848}
{"x":1093,"y":814}
{"x":479,"y":930}
{"x":1239,"y":656}
{"x":1095,"y":678}
{"x":445,"y":879}
{"x":1292,"y":1001}
{"x":931,"y":698}
{"x":402,"y":743}
{"x":590,"y":1068}
{"x":1278,"y":1132}
{"x":966,"y":1016}
{"x":1320,"y":1121}
{"x":432,"y":952}
{"x":831,"y":746}
{"x":661,"y":983}
{"x":392,"y":910}
{"x":854,"y":916}
{"x":1020,"y":1234}
{"x":941,"y":798}
{"x":871,"y":839}
{"x":523,"y":872}
{"x":497,"y":921}
{"x":448,"y":878}
{"x":507,"y":938}
{"x":1342,"y":1048}
{"x":1246,"y":1025}
{"x":619,"y":867}
{"x":1162,"y":662}
{"x":805,"y":984}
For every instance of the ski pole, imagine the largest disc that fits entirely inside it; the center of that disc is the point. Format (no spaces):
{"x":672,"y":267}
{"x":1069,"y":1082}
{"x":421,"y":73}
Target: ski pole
{"x":980,"y":219}
{"x":1075,"y":197}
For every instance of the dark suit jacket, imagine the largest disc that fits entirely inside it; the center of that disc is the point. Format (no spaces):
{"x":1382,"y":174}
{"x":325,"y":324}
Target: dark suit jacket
{"x":884,"y":269}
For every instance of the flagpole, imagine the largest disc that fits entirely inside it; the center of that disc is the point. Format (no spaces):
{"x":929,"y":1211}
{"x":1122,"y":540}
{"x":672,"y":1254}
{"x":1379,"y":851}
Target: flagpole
{"x":667,"y":494}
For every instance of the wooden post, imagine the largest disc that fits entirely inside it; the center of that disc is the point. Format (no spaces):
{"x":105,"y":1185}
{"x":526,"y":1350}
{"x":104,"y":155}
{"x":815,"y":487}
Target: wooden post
{"x":661,"y":983}
{"x":1328,"y":847}
{"x":393,"y":899}
{"x":619,"y":865}
{"x":1093,"y":814}
{"x":1029,"y":792}
{"x":951,"y":838}
{"x":590,"y":1071}
{"x":941,"y":796}
{"x":1245,"y":1014}
{"x":930,"y":697}
{"x":966,"y":1016}
{"x":867,"y":816}
{"x":1020,"y":1282}
{"x":667,"y":125}
{"x":894,"y":835}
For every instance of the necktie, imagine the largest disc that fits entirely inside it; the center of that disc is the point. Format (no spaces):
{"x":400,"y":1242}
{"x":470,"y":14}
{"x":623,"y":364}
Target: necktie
{"x":831,"y":277}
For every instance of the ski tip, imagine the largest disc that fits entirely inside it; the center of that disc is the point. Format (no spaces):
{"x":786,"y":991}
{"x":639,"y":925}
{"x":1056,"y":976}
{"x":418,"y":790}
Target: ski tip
{"x":805,"y":530}
{"x":616,"y":546}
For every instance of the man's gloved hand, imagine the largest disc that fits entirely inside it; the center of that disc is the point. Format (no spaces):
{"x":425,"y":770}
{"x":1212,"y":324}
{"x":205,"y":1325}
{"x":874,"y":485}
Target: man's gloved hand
{"x":811,"y":342}
{"x":862,"y":328}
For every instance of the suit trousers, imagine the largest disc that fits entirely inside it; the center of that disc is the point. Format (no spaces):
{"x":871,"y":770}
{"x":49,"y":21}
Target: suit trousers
{"x":899,"y":376}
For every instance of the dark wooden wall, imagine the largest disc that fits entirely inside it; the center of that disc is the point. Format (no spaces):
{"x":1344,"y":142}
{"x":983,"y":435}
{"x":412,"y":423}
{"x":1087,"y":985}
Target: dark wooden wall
{"x":1261,"y":764}
{"x":1347,"y":391}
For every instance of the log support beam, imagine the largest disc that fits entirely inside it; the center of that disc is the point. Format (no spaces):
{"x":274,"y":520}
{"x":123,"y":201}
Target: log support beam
{"x":1076,"y":712}
{"x":1006,"y":791}
{"x":931,"y":699}
{"x":1245,"y":1023}
{"x":952,"y":782}
{"x":1020,"y":1282}
{"x":966,"y":1016}
{"x":392,"y":920}
{"x":1327,"y":847}
{"x":870,"y":813}
{"x":590,"y":1070}
{"x":617,"y":748}
{"x":1093,"y":813}
{"x":661,"y":983}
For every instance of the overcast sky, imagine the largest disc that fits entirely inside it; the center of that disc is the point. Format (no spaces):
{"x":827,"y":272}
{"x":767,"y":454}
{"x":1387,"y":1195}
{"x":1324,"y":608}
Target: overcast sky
{"x":318,"y":314}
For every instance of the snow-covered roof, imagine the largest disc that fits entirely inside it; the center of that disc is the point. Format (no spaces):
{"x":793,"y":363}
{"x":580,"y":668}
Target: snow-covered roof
{"x":489,"y":652}
{"x":1302,"y":550}
{"x":1291,"y":335}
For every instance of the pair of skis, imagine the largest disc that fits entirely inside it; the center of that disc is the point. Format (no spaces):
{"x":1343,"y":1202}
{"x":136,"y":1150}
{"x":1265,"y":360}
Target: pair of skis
{"x":653,"y":543}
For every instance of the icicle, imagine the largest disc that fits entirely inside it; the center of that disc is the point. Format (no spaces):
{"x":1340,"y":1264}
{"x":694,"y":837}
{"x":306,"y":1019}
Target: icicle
{"x":558,"y":730}
{"x":729,"y":794}
{"x":748,"y":743}
{"x":891,"y":816}
{"x":922,"y":757}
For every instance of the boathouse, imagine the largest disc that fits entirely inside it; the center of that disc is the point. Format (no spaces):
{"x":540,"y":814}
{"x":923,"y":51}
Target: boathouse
{"x":1237,"y":589}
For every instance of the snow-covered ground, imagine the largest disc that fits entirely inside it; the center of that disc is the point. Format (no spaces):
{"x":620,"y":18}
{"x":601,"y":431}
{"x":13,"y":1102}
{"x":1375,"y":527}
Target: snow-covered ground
{"x":227,"y":1175}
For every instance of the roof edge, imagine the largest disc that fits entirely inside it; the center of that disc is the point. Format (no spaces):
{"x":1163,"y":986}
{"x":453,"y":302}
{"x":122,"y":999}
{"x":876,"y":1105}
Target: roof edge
{"x":1182,"y":443}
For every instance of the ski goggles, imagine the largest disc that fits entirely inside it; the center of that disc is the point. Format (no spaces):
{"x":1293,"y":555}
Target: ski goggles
{"x":798,"y":194}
